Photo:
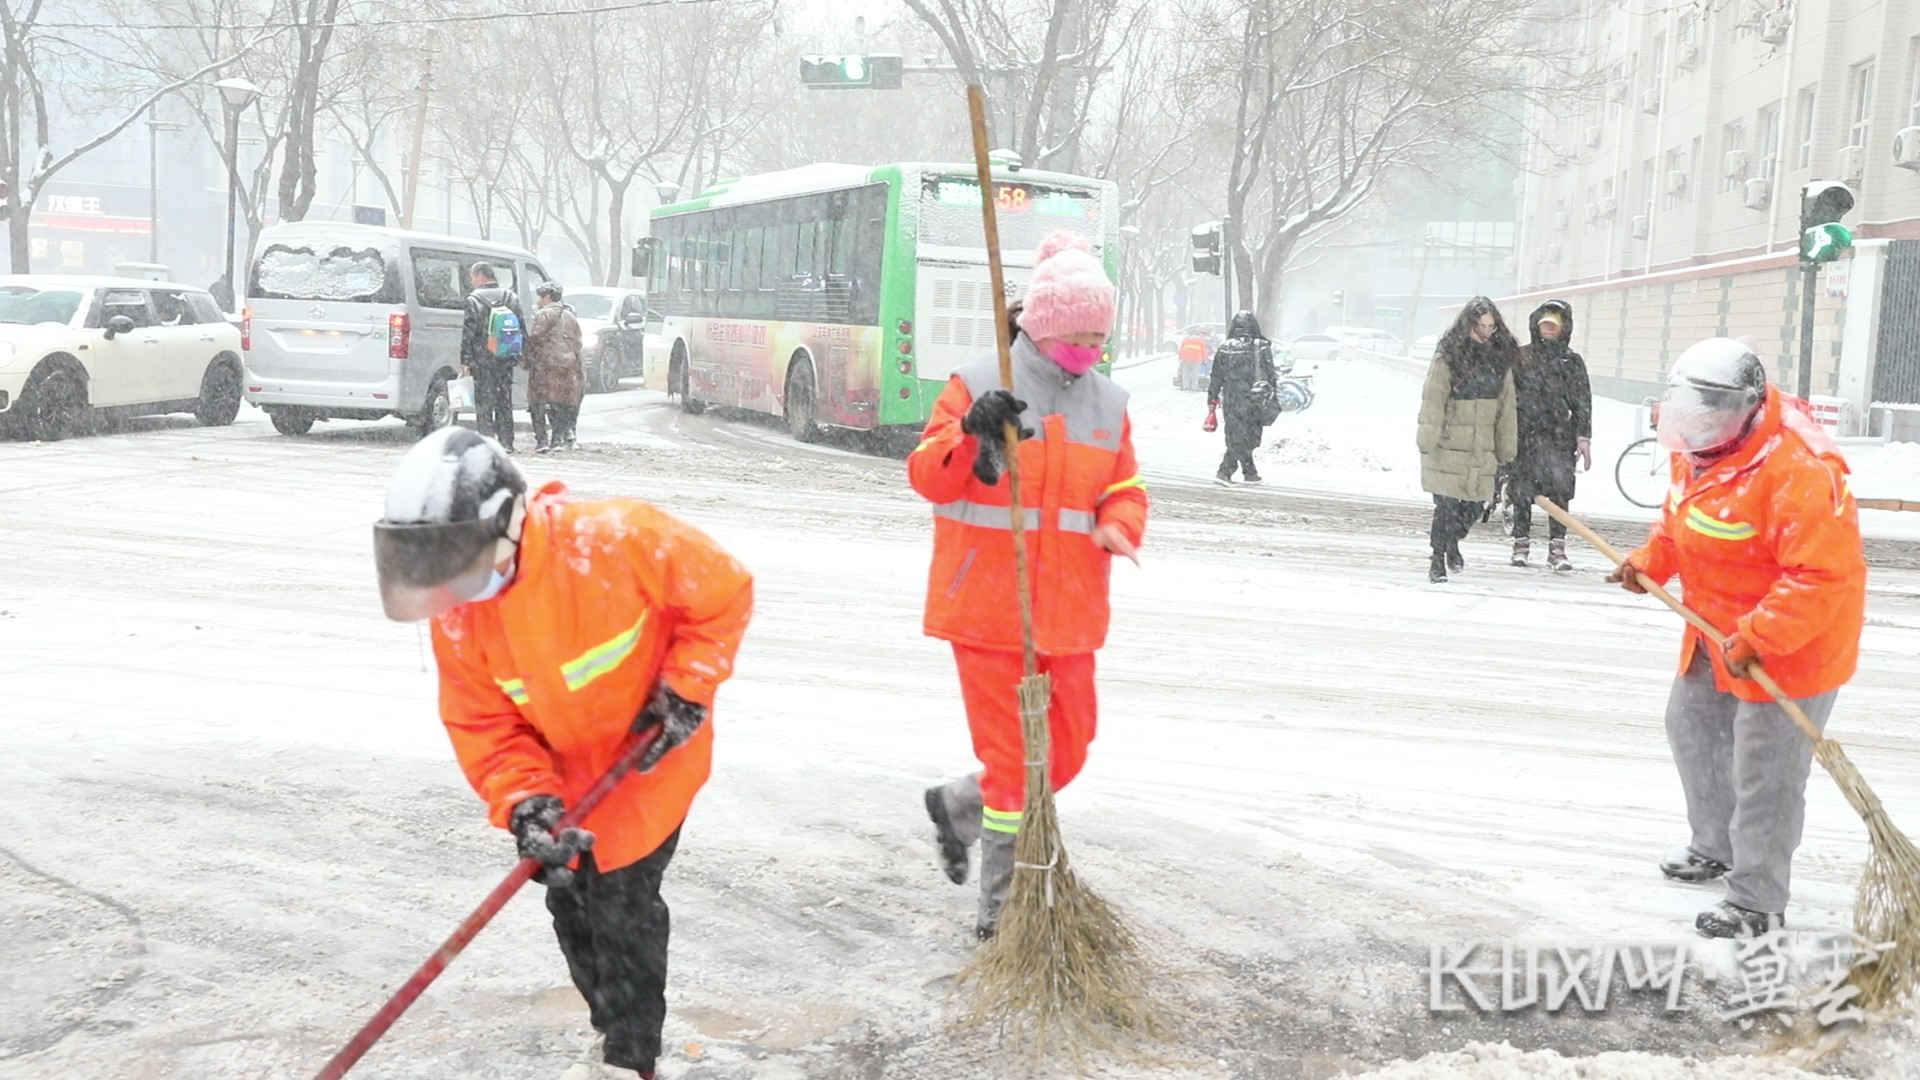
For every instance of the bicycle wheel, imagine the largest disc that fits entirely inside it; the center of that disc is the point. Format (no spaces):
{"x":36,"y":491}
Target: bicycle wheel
{"x":1642,"y":473}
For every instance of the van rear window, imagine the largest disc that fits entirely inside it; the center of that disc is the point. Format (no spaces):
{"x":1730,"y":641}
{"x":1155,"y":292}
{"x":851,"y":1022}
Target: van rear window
{"x":341,"y":274}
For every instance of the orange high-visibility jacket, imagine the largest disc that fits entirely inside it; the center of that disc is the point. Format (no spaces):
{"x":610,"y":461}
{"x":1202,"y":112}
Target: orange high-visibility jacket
{"x":1767,"y":542}
{"x":1078,"y":472}
{"x":1193,"y":350}
{"x":539,"y":687}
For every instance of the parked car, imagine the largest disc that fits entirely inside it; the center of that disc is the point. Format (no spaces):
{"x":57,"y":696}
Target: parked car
{"x":1355,"y":340}
{"x":1314,"y":348}
{"x":360,"y":322}
{"x":1214,"y":332}
{"x":613,"y":324}
{"x":78,"y":349}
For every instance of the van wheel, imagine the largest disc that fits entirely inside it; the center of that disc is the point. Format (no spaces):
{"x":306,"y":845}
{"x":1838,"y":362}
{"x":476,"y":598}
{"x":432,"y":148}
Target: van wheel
{"x":291,"y":421}
{"x":219,"y":394}
{"x":55,"y":406}
{"x":678,"y":382}
{"x":437,"y":412}
{"x":803,"y":401}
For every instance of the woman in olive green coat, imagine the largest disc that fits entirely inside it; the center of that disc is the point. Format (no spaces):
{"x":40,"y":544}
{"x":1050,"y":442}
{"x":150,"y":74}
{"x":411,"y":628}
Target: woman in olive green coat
{"x":1468,"y":425}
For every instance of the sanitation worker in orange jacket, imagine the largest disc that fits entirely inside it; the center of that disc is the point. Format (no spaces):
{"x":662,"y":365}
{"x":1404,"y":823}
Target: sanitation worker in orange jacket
{"x":1761,"y":527}
{"x":1084,"y":503}
{"x":560,"y":628}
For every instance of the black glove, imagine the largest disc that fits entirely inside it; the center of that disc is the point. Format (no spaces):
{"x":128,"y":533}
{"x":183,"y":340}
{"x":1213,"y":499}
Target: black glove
{"x":532,"y":823}
{"x":987,"y":421}
{"x":675,"y":716}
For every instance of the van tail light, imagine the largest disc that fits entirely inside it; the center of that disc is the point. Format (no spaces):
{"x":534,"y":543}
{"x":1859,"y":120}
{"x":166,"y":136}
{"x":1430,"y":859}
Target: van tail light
{"x":246,"y":329}
{"x":399,"y":331}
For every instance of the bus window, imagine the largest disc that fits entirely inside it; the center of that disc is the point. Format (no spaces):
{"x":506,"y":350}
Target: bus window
{"x":803,"y":250}
{"x":842,"y":247}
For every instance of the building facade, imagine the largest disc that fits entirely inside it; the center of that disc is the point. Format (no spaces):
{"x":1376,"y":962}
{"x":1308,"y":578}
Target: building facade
{"x":1667,"y":207}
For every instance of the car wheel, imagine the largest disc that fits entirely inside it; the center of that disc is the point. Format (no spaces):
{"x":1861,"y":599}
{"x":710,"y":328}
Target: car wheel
{"x":291,"y":421}
{"x":803,"y":401}
{"x":436,"y":412}
{"x":219,"y":394}
{"x":55,"y":406}
{"x":679,"y":382}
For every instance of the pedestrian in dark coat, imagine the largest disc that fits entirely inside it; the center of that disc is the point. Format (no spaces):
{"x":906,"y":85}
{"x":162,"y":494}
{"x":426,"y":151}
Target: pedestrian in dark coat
{"x":1468,"y":426}
{"x":556,"y":378}
{"x":1244,"y":359}
{"x":1556,"y":426}
{"x":492,"y":375}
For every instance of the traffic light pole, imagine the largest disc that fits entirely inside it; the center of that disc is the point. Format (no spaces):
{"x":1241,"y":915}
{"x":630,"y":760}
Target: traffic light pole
{"x":1809,"y":280}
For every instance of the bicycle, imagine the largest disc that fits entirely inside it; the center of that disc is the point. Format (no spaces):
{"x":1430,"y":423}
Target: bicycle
{"x":1642,"y":471}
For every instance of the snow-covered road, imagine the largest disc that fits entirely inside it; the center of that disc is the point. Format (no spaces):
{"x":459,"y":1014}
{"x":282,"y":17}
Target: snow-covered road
{"x":233,"y":823}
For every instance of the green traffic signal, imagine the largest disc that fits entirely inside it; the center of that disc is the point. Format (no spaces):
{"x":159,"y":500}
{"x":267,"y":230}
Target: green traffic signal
{"x":877,"y":72}
{"x":1825,"y":242}
{"x":1822,"y":204}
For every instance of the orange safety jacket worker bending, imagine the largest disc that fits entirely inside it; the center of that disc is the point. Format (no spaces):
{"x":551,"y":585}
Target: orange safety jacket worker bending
{"x":539,"y":687}
{"x":1767,"y":543}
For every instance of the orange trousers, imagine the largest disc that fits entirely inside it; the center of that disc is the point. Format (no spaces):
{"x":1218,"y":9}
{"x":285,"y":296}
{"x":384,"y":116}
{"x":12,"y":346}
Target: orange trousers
{"x":990,"y":686}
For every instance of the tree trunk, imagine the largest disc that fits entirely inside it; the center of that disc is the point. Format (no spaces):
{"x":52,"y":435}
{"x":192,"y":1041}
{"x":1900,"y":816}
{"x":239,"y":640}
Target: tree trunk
{"x":17,"y":244}
{"x":616,"y":209}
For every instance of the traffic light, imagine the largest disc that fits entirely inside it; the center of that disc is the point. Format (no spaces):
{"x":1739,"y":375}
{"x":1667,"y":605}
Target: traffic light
{"x":1206,"y":248}
{"x":1340,"y":298}
{"x":877,"y":72}
{"x":1822,"y":204}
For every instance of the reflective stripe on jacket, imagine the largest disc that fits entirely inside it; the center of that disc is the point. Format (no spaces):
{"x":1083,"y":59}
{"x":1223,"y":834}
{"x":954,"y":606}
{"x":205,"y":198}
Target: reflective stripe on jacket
{"x":540,"y":686}
{"x":1767,"y":542}
{"x":1078,"y":473}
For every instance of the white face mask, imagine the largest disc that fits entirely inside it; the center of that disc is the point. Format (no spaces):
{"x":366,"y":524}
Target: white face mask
{"x":495,"y":584}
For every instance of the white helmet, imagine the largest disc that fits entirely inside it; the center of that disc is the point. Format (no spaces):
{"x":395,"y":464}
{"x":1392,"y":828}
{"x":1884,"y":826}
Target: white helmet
{"x":454,"y":510}
{"x":1714,"y":389}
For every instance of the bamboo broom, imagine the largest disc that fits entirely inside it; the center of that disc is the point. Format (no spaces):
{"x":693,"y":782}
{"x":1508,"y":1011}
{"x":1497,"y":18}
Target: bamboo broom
{"x":1887,"y":909}
{"x":1062,"y":971}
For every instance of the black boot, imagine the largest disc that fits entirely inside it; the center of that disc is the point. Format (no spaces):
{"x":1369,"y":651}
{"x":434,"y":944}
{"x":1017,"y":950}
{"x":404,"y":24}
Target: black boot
{"x":1521,"y":547}
{"x":1729,"y":920}
{"x":1693,"y":869}
{"x":1454,"y":560}
{"x":1437,"y":569}
{"x":1557,"y":555}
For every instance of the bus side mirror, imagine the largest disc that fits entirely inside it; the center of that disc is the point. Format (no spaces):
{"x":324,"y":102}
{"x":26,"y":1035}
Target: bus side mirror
{"x":643,"y":257}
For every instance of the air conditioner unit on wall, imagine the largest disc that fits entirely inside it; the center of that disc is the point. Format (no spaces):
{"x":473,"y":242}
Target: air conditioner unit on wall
{"x":1676,"y":182}
{"x":1850,"y":164}
{"x":1689,"y":55}
{"x":1592,"y":212}
{"x":1650,"y":100}
{"x":1593,"y":137}
{"x":1560,"y":219}
{"x":1608,"y":206}
{"x":1759,"y":193}
{"x":1735,"y":165}
{"x":1906,"y":148}
{"x":1616,"y":91}
{"x":1639,"y":228}
{"x":1774,"y":26}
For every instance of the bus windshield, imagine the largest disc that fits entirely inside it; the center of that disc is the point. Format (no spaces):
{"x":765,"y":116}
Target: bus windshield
{"x":950,"y":213}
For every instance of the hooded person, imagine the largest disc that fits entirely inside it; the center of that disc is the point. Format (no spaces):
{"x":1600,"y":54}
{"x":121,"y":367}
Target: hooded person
{"x":1084,"y":503}
{"x":1243,"y":362}
{"x":562,"y":628}
{"x":1762,"y":530}
{"x":1555,"y":426}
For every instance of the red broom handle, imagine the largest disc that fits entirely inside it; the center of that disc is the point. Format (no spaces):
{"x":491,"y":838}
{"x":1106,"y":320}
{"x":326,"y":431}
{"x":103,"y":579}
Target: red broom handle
{"x":478,"y":919}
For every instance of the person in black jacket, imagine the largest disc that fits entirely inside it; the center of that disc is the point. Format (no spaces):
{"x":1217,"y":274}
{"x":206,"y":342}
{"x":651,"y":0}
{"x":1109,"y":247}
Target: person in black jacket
{"x":1556,"y":426}
{"x":1244,"y":359}
{"x":492,"y":375}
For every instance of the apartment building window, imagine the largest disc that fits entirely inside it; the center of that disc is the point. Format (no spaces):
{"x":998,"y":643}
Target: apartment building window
{"x":1693,"y":169}
{"x":1913,"y":83}
{"x":1676,"y":192}
{"x":1733,"y":137}
{"x":1860,"y":106}
{"x":1803,"y":128}
{"x":1685,"y":38}
{"x":1647,"y":188}
{"x":1590,"y":212}
{"x":1766,"y":130}
{"x":1659,"y":58}
{"x":1617,"y":90}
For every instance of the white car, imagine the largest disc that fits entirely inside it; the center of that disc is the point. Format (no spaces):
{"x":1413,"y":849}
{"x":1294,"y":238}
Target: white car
{"x":76,"y":349}
{"x":1314,"y":347}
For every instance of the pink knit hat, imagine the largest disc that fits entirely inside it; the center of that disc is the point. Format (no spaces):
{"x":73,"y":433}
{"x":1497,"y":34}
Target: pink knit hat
{"x":1068,"y":293}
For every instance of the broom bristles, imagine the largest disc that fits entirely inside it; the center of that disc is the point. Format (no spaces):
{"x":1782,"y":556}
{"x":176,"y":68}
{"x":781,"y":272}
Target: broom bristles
{"x":1063,"y":970}
{"x":1887,"y":910}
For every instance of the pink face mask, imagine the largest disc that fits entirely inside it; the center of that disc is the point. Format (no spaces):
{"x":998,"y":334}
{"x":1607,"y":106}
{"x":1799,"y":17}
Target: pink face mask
{"x":1074,"y":359}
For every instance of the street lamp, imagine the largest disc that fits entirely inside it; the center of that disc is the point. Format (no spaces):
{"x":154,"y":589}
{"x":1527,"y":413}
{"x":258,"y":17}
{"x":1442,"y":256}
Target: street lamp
{"x":667,"y":190}
{"x":154,"y":128}
{"x":235,"y":94}
{"x":1128,"y":234}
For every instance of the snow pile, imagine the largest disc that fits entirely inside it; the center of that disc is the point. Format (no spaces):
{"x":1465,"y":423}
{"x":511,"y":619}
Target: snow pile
{"x":1308,"y":447}
{"x":1886,"y":472}
{"x":1488,"y":1061}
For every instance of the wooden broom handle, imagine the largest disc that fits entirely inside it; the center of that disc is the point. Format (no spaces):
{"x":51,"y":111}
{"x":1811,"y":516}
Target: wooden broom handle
{"x":983,"y":167}
{"x":1713,"y":634}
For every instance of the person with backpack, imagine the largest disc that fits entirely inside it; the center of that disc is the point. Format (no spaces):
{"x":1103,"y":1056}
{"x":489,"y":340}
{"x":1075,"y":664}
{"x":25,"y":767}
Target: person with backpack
{"x":556,"y":381}
{"x":491,"y":342}
{"x":1243,"y":385}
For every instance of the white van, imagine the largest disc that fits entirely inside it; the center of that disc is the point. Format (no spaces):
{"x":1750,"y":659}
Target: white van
{"x":358,"y":322}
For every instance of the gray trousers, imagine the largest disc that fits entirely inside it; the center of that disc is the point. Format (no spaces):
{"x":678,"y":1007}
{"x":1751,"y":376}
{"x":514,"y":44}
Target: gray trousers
{"x":1744,"y":769}
{"x":964,"y":808}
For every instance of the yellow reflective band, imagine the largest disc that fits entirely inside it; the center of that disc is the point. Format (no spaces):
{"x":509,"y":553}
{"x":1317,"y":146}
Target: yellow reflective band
{"x":515,"y":689}
{"x":1130,"y":482}
{"x":602,"y":658}
{"x":923,"y":445}
{"x":1004,"y":821}
{"x":1699,"y":522}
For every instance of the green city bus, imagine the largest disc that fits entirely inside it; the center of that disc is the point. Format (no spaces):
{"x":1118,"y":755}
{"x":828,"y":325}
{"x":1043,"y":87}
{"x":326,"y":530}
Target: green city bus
{"x":844,"y":296}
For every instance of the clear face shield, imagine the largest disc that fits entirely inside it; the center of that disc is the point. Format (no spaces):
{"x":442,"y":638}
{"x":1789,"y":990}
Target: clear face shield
{"x":1704,"y":419}
{"x":428,"y":570}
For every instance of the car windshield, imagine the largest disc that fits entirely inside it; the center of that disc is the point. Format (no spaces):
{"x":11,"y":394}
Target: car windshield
{"x":591,"y":306}
{"x":24,"y":305}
